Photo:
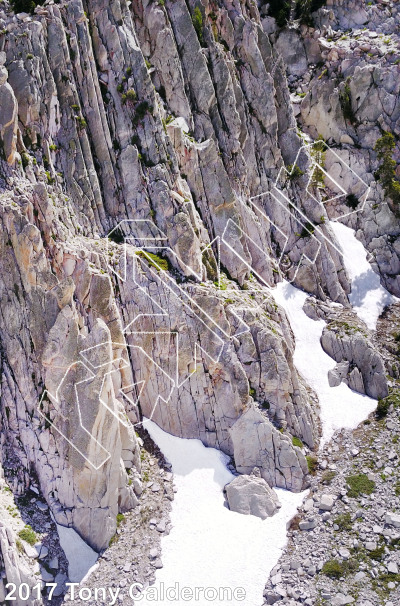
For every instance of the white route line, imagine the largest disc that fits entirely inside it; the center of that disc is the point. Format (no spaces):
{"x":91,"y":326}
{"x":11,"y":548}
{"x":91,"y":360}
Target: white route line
{"x":148,"y":240}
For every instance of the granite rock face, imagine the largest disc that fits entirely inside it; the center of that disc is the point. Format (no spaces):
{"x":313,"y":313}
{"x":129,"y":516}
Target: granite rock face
{"x":348,"y":93}
{"x":16,"y":571}
{"x":360,"y":364}
{"x":107,"y":125}
{"x":145,"y":211}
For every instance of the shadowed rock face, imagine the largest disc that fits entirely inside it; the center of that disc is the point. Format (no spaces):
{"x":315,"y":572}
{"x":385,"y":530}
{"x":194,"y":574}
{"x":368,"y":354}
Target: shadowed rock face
{"x":365,"y":372}
{"x":128,"y":117}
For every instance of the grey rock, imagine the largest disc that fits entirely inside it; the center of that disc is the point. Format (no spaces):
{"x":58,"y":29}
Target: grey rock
{"x":327,"y":502}
{"x":308,"y":524}
{"x":251,"y":495}
{"x":393,"y":568}
{"x":60,"y":581}
{"x":392,"y":519}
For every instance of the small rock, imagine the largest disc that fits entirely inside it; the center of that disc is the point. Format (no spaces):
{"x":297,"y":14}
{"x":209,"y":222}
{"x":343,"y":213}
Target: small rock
{"x":327,"y":502}
{"x":392,"y":519}
{"x":308,"y":505}
{"x":153,"y":554}
{"x":393,"y":568}
{"x":30,"y":551}
{"x":161,"y":526}
{"x":46,"y":577}
{"x":308,"y":524}
{"x":60,"y":580}
{"x":346,"y":139}
{"x":272,"y":597}
{"x":344,"y":553}
{"x":42,"y":551}
{"x":342,"y":600}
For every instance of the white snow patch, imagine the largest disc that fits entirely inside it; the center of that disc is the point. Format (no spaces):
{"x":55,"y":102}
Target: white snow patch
{"x":209,"y":545}
{"x":81,"y":558}
{"x":340,"y":406}
{"x":368,"y":297}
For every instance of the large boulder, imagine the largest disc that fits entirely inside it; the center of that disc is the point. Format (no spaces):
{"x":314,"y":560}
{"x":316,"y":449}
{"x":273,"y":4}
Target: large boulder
{"x":251,"y":495}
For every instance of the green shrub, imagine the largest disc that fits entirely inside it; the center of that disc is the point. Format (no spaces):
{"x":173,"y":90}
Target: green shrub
{"x":382,"y":408}
{"x":24,"y":6}
{"x":154,"y":260}
{"x":384,"y":148}
{"x":197,"y":20}
{"x":307,"y":230}
{"x":25,"y":159}
{"x":344,"y":521}
{"x":359,"y":484}
{"x":318,"y":152}
{"x":120,"y":518}
{"x":345,"y":102}
{"x":294,"y":171}
{"x":140,"y":111}
{"x":304,"y":8}
{"x":82,"y":124}
{"x":280,"y":11}
{"x":333,"y":569}
{"x":378,"y":553}
{"x":20,"y":546}
{"x":129,"y":96}
{"x":50,"y":179}
{"x":327,"y":477}
{"x":312,"y":463}
{"x":28,"y":535}
{"x":297,"y":442}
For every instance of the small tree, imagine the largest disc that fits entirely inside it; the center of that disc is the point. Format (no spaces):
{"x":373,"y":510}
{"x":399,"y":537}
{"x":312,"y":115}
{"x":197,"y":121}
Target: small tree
{"x":280,"y":11}
{"x":23,"y":6}
{"x":384,"y":148}
{"x":318,"y":153}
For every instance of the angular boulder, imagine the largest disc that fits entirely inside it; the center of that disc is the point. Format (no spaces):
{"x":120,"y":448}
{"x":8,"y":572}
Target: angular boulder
{"x":251,"y":495}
